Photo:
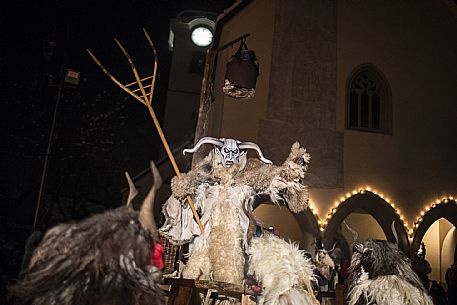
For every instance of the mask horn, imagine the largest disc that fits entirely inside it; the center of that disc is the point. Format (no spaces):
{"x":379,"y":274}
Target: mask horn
{"x":132,"y":190}
{"x":250,"y":145}
{"x":205,"y":140}
{"x":354,"y":233}
{"x":146,"y":216}
{"x":333,"y":248}
{"x":394,"y":231}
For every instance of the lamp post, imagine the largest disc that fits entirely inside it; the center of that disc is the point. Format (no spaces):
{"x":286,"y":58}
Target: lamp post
{"x":71,"y":77}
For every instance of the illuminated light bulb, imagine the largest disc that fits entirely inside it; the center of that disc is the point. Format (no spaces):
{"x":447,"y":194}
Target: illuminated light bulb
{"x":437,"y":201}
{"x":401,"y":217}
{"x":392,"y":205}
{"x":422,"y":213}
{"x":452,"y":198}
{"x":325,"y":222}
{"x":427,"y":209}
{"x":342,"y":199}
{"x":362,"y":191}
{"x":322,"y":229}
{"x":354,"y":192}
{"x":319,"y":221}
{"x":368,"y":188}
{"x":348,"y":195}
{"x":337,"y":203}
{"x":416,"y":225}
{"x":387,"y":200}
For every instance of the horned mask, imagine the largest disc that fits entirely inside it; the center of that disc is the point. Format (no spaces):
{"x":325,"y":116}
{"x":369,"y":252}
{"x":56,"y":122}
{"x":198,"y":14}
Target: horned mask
{"x":230,"y":150}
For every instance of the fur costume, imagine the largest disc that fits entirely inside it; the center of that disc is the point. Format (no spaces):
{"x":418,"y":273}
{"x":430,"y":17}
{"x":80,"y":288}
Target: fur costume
{"x":380,"y":274}
{"x":224,"y":197}
{"x":282,"y":271}
{"x":109,"y":259}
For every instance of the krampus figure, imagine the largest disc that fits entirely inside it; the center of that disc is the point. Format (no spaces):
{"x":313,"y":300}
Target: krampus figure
{"x":111,"y":258}
{"x":225,"y":186}
{"x":380,"y":274}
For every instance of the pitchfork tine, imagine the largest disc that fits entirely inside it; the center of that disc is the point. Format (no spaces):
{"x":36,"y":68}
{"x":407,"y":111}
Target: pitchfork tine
{"x":132,"y":66}
{"x":99,"y":64}
{"x":148,"y":38}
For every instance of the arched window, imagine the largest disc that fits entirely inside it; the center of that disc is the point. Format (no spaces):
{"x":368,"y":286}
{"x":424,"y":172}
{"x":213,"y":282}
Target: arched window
{"x":369,"y":104}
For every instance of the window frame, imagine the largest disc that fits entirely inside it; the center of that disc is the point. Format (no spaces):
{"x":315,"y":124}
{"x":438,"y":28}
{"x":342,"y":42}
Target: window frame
{"x":385,"y":101}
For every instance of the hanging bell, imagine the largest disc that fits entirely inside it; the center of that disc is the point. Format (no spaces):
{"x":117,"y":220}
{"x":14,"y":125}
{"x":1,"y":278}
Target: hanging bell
{"x":241,"y":75}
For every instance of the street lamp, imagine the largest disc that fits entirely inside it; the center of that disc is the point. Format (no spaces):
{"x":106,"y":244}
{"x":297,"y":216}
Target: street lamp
{"x":241,"y":73}
{"x":71,"y":78}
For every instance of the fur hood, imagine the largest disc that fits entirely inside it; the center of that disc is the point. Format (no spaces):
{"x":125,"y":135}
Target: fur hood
{"x":104,"y":259}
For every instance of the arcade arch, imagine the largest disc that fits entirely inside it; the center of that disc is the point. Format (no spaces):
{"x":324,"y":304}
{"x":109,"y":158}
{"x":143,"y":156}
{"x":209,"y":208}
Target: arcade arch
{"x":379,"y":209}
{"x":302,"y":227}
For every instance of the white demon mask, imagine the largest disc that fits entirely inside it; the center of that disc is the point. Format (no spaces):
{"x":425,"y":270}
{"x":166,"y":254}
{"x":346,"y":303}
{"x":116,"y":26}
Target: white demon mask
{"x":229,"y":149}
{"x":230,"y":152}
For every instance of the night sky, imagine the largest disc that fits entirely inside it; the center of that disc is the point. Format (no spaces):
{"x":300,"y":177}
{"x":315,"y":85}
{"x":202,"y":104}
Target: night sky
{"x":100,"y":131}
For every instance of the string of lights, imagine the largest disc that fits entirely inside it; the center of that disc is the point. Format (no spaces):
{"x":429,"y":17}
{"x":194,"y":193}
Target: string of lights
{"x":323,"y":222}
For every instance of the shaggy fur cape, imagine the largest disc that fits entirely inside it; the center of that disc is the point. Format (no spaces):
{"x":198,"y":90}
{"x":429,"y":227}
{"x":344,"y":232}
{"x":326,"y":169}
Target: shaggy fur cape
{"x":282,"y":271}
{"x":388,"y":290}
{"x":104,"y":259}
{"x":380,"y":274}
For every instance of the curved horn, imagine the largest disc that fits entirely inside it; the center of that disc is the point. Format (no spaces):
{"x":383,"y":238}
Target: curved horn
{"x":146,"y":216}
{"x":354,"y":233}
{"x":204,"y":140}
{"x":132,"y":190}
{"x":394,"y":232}
{"x":247,"y":145}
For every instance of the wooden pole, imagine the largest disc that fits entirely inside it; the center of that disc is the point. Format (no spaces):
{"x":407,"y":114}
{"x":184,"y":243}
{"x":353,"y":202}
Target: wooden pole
{"x":173,"y":163}
{"x":202,"y":118}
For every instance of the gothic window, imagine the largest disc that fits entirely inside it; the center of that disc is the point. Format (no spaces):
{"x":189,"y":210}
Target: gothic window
{"x":368,"y":106}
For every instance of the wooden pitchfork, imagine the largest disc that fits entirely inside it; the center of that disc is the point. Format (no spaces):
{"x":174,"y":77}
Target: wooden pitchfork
{"x":146,"y":99}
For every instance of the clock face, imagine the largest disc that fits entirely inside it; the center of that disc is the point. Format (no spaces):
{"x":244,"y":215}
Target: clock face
{"x":202,"y":36}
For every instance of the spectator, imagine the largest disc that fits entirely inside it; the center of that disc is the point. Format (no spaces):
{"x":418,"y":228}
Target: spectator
{"x":422,"y":267}
{"x":438,"y":294}
{"x":451,"y":280}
